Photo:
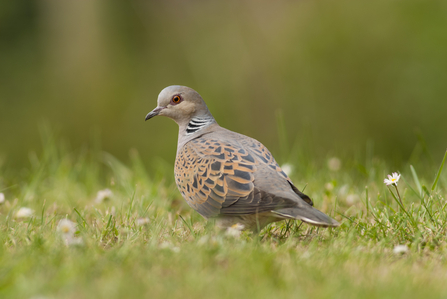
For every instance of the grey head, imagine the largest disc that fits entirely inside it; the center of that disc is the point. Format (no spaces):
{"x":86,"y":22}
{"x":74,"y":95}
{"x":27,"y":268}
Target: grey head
{"x":182,"y":104}
{"x":186,"y":107}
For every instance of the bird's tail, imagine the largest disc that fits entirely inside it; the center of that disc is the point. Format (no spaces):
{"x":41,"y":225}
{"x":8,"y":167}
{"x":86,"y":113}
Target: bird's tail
{"x":307,"y":214}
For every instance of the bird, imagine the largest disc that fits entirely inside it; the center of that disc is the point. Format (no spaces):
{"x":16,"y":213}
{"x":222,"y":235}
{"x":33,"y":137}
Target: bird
{"x":227,"y":176}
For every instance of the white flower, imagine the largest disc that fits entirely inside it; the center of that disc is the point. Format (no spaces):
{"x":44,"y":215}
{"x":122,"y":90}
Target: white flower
{"x":167,"y":245}
{"x":67,"y":229}
{"x":392,"y":179}
{"x":2,"y":198}
{"x":287,"y":168}
{"x":352,"y":199}
{"x":103,"y":195}
{"x":334,"y":164}
{"x":142,"y":221}
{"x":329,"y":186}
{"x":235,"y":230}
{"x":400,"y":249}
{"x":306,"y":255}
{"x":24,"y":213}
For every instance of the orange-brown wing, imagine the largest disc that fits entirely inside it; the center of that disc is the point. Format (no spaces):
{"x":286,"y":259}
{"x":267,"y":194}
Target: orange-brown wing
{"x":211,"y":174}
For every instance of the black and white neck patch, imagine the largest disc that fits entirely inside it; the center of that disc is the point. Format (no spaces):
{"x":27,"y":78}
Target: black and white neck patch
{"x":197,"y":124}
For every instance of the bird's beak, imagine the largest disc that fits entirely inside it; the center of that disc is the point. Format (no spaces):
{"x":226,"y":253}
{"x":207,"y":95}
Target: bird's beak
{"x":154,"y":112}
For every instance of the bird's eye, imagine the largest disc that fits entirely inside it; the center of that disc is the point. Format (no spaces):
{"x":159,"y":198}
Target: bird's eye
{"x":176,"y":99}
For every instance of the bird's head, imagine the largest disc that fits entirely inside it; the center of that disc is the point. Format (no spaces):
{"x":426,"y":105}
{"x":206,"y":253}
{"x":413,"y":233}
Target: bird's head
{"x":180,"y":103}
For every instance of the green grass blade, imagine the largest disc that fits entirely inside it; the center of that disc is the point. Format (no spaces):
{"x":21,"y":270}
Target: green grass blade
{"x":426,"y":190}
{"x":402,"y":207}
{"x":83,"y":219}
{"x":188,"y":226}
{"x":367,"y":201}
{"x":420,"y":195}
{"x":43,"y":213}
{"x":109,"y":222}
{"x":439,"y":172}
{"x":129,"y":211}
{"x":416,"y":179}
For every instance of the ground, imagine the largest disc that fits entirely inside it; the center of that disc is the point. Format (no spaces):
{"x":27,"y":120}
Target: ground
{"x":139,"y":239}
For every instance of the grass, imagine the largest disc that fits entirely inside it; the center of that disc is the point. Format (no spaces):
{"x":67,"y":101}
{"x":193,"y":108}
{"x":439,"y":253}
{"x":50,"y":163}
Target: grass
{"x":178,"y":254}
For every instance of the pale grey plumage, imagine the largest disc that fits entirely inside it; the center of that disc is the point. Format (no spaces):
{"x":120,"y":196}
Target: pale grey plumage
{"x":226,"y":175}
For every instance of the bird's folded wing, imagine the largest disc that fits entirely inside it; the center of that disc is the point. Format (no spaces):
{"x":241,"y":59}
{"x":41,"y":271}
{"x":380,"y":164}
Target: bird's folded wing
{"x":217,"y":178}
{"x":264,"y":156}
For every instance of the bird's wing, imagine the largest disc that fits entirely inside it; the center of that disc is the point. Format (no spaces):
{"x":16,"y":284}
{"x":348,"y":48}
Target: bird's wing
{"x":218,"y":178}
{"x":265,"y":157}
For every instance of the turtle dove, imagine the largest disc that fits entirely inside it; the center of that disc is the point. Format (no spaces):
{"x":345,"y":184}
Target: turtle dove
{"x":226,"y":175}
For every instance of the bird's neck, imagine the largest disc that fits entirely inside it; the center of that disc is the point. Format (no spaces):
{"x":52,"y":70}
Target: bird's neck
{"x":194,"y":128}
{"x":198,"y":123}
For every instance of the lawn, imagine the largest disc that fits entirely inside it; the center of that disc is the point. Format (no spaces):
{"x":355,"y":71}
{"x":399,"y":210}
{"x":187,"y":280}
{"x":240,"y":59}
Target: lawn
{"x":139,"y":239}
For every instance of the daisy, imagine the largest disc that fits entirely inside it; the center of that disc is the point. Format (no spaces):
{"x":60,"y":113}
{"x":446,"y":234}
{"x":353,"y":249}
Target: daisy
{"x":334,"y":164}
{"x":66,"y":227}
{"x":400,"y":249}
{"x":287,"y":168}
{"x":67,"y":230}
{"x":392,"y":179}
{"x":24,"y":213}
{"x":235,"y":230}
{"x":103,"y":195}
{"x":142,"y":221}
{"x":168,"y":245}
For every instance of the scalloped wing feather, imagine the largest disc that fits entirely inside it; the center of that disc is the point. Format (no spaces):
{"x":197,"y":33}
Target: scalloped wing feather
{"x":217,"y":178}
{"x":211,"y":174}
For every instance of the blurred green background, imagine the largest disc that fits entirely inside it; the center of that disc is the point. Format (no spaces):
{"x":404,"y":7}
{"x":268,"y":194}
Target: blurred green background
{"x":342,"y":74}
